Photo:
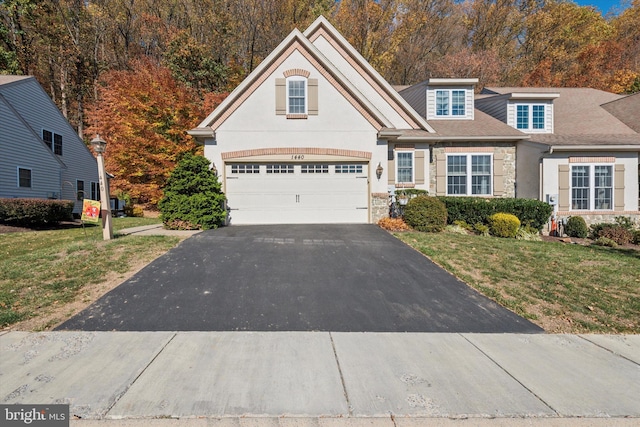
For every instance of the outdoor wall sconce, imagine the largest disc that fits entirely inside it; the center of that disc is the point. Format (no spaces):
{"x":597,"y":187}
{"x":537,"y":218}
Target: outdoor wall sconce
{"x":214,"y":169}
{"x":379,"y":170}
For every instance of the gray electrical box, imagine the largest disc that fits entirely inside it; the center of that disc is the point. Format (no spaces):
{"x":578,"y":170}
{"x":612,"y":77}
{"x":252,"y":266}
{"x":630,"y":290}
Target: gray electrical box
{"x":552,"y":199}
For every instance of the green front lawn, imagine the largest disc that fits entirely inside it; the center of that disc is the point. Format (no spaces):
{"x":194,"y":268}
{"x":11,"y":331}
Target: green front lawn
{"x":561,"y":287}
{"x":42,"y":271}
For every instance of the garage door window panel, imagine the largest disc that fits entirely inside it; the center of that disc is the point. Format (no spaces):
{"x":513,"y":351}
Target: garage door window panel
{"x":346,"y":169}
{"x":245,"y":169}
{"x":314,"y":168}
{"x":279,"y":168}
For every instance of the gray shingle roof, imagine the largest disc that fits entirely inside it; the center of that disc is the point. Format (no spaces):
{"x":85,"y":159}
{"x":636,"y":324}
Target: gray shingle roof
{"x":627,"y":110}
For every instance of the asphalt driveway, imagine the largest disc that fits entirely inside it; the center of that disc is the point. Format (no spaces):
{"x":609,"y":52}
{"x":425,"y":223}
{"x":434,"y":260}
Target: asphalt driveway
{"x":296,"y":278}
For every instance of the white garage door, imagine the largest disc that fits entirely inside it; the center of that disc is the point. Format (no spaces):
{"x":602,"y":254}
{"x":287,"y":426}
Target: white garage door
{"x":294,"y":193}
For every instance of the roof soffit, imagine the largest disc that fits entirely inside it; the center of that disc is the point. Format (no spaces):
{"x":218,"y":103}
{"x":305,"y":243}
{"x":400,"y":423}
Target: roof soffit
{"x":295,"y":41}
{"x":321,"y":27}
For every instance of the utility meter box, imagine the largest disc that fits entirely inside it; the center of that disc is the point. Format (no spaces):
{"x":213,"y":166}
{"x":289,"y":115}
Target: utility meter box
{"x":552,"y":199}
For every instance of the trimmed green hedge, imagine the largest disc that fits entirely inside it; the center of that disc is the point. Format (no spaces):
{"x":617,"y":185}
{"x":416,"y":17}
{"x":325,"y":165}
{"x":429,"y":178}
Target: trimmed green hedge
{"x":475,"y":210}
{"x":34,"y":212}
{"x":425,"y":213}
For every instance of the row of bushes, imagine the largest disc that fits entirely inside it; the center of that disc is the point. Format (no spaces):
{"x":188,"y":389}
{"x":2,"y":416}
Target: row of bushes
{"x":431,"y":214}
{"x":473,"y":210}
{"x":619,"y":233}
{"x":426,"y":213}
{"x":34,"y":212}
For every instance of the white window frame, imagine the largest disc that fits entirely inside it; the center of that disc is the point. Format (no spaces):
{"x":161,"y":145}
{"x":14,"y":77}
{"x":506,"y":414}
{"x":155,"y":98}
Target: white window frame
{"x":592,"y":187}
{"x":413,"y":167}
{"x":449,"y":93}
{"x":306,"y":94}
{"x":18,"y":169}
{"x":530,"y":106}
{"x":469,"y":174}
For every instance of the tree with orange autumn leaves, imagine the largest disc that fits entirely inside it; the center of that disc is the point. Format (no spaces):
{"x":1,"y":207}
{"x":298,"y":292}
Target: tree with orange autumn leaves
{"x":143,"y":114}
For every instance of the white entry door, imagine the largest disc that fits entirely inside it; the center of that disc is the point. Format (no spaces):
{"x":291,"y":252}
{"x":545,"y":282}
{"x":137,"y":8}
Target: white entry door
{"x":297,"y":193}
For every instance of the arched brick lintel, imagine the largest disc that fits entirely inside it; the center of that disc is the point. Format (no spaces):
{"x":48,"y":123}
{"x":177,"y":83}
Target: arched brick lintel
{"x":296,"y":150}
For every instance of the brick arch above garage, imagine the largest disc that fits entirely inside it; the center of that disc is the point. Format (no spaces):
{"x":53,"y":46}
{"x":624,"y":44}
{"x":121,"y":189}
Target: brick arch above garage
{"x":294,"y":151}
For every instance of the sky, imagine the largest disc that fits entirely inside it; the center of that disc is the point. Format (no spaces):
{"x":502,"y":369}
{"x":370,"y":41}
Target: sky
{"x":605,"y":5}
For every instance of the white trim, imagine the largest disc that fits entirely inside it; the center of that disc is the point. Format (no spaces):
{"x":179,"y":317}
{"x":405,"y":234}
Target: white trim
{"x":297,"y":78}
{"x":413,"y":166}
{"x":592,"y":187}
{"x":446,"y":82}
{"x":469,"y":174}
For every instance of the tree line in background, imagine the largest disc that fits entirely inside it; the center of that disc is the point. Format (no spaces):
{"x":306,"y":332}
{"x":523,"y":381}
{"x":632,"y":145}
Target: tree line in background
{"x":141,"y":72}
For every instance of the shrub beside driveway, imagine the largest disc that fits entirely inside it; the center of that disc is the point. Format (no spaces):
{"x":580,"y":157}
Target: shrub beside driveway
{"x":563,"y":288}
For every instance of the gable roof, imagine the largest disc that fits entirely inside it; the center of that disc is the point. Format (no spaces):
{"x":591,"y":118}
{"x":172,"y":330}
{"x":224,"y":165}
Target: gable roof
{"x":297,"y":41}
{"x":627,"y":110}
{"x":34,"y":138}
{"x":321,"y":27}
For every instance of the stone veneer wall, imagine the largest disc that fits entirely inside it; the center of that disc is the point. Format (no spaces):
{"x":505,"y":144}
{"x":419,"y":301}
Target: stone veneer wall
{"x":508,"y":150}
{"x":598,"y":218}
{"x":379,"y":206}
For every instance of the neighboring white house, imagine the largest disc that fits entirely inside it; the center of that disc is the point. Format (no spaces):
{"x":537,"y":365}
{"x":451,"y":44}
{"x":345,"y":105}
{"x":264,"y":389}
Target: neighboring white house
{"x":41,"y":156}
{"x":583,"y":152}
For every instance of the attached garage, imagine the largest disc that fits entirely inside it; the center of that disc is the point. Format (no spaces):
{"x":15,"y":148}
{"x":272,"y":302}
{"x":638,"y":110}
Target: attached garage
{"x":297,"y":193}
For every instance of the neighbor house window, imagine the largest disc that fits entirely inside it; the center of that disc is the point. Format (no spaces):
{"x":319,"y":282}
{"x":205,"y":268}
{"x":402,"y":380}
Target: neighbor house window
{"x":95,"y":191}
{"x":592,"y":187}
{"x":296,"y":95}
{"x":79,"y":190}
{"x":530,"y":117}
{"x":53,"y":141}
{"x":450,"y":102}
{"x":469,"y":174}
{"x":24,"y":178}
{"x":404,"y":169}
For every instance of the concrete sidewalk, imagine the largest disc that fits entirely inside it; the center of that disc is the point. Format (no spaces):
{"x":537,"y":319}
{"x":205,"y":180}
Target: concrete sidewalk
{"x":325,"y":378}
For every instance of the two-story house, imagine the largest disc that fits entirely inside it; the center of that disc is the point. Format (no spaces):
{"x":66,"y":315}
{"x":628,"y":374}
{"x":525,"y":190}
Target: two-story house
{"x":315,"y":135}
{"x":41,"y":156}
{"x":582,"y":154}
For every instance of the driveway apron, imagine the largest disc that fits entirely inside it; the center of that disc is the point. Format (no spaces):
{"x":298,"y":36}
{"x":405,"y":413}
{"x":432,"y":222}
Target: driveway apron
{"x":296,"y":278}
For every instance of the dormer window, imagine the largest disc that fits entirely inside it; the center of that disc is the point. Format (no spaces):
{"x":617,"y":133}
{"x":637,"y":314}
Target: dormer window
{"x":450,"y":102}
{"x":450,"y":99}
{"x":530,"y":116}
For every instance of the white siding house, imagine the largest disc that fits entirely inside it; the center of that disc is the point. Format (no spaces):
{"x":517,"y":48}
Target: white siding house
{"x":41,"y":156}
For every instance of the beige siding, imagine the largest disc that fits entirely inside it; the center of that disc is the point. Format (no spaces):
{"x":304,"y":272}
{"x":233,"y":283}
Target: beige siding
{"x":618,"y":181}
{"x":431,"y":102}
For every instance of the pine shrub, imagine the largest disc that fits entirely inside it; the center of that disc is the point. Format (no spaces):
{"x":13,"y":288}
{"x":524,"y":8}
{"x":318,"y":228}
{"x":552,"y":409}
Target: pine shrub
{"x":504,"y":225}
{"x":424,"y":213}
{"x":576,"y":227}
{"x":192,"y":197}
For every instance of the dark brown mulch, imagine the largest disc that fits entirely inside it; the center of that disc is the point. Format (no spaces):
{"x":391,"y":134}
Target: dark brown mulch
{"x":583,"y":242}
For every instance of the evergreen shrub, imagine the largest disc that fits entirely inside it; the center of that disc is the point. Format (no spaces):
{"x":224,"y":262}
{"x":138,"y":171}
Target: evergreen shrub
{"x":474,"y":210}
{"x":576,"y":227}
{"x":504,"y":224}
{"x":425,"y":213}
{"x":192,"y":197}
{"x":34,"y":212}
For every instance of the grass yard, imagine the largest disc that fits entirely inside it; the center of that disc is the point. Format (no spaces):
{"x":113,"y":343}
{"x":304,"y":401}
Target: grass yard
{"x":47,"y":276}
{"x":561,"y":287}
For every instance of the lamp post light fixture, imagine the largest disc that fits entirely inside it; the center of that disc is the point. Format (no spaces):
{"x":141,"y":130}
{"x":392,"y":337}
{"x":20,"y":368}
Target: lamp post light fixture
{"x":99,"y":146}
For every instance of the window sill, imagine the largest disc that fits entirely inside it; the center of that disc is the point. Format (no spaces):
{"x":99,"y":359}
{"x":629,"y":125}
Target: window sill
{"x":297,"y":116}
